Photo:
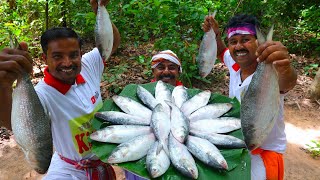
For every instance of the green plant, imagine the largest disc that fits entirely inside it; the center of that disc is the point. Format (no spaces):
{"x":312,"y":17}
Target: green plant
{"x":113,"y":75}
{"x":314,"y":148}
{"x":311,"y":69}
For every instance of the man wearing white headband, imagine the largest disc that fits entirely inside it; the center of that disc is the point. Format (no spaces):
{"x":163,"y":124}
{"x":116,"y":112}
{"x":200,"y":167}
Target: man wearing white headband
{"x":242,"y":57}
{"x":166,"y":67}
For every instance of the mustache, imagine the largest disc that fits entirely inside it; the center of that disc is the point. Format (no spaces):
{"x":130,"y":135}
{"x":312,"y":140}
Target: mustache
{"x":167,"y":76}
{"x":68,"y":67}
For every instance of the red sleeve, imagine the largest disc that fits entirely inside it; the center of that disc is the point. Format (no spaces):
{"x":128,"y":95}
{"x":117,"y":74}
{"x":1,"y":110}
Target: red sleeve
{"x":221,"y":56}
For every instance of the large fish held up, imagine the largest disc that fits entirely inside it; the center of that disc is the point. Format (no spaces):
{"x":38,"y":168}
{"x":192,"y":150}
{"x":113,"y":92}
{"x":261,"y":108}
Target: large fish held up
{"x":260,"y":104}
{"x":207,"y":52}
{"x":103,"y":32}
{"x":31,"y":126}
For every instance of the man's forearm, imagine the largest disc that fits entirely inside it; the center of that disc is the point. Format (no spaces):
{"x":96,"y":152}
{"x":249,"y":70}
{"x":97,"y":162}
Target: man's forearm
{"x":287,"y":80}
{"x":220,"y":46}
{"x":5,"y":107}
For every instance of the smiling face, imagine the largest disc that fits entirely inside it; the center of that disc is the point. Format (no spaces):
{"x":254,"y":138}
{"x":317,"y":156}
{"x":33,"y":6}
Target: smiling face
{"x":167,"y":72}
{"x":64,"y":59}
{"x":242,"y":49}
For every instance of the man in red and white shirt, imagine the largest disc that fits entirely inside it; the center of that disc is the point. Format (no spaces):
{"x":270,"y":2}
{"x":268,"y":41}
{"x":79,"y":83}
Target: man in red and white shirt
{"x":70,"y":95}
{"x":242,"y":57}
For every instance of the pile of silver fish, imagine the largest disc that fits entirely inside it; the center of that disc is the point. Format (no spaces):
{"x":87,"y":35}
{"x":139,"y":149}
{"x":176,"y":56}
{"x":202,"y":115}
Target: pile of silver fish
{"x":31,"y":126}
{"x":169,"y":128}
{"x":207,"y":52}
{"x":260,"y":104}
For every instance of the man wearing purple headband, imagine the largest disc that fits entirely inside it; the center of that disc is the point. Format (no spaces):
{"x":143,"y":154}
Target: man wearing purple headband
{"x":242,"y":57}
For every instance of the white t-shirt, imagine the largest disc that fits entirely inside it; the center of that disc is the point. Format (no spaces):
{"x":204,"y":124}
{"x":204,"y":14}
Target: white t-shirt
{"x":276,"y":140}
{"x":71,"y":113}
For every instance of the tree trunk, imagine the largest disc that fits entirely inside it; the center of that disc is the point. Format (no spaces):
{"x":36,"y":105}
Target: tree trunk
{"x":315,"y":87}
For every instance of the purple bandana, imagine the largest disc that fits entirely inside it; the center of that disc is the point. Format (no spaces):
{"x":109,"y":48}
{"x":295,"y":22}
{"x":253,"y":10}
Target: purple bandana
{"x":242,"y":29}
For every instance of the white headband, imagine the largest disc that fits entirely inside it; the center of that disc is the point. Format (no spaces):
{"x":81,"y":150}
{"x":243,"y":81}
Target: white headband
{"x":167,"y":56}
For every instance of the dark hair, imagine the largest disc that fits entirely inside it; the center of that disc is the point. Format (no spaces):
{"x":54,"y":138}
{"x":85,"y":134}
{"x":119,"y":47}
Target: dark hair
{"x":58,"y":33}
{"x":240,"y":19}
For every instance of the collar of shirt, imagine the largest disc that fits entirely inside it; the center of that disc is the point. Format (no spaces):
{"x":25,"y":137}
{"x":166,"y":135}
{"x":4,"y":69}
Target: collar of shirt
{"x":57,"y":84}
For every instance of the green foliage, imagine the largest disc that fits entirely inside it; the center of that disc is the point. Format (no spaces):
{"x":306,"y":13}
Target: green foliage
{"x":311,"y":69}
{"x":113,"y":75}
{"x":171,"y":24}
{"x":314,"y":148}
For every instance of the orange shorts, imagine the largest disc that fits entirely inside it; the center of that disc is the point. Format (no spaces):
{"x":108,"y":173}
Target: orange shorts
{"x":273,"y":163}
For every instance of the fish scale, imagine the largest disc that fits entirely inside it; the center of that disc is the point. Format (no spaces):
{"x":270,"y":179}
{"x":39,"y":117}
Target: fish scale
{"x":31,"y":126}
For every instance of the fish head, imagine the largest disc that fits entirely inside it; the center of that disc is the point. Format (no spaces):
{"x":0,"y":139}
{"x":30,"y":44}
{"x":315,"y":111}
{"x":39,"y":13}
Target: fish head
{"x":167,"y":72}
{"x":63,"y":57}
{"x":155,"y":171}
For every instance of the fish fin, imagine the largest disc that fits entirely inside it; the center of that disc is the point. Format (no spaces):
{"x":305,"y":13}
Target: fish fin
{"x":214,"y":14}
{"x":270,"y":33}
{"x":260,"y":37}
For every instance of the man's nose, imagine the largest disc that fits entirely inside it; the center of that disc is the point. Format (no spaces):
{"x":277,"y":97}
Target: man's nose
{"x":67,"y":61}
{"x":166,"y":70}
{"x":239,"y":45}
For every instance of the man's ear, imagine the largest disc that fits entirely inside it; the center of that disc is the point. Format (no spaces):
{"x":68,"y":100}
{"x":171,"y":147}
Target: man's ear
{"x":44,"y":57}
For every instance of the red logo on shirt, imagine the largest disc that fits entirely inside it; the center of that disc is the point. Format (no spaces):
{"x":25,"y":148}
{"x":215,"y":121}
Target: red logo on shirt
{"x":93,"y":99}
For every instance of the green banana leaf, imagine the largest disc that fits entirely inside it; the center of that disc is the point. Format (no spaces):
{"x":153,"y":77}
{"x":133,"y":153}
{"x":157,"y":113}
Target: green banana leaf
{"x":238,"y":159}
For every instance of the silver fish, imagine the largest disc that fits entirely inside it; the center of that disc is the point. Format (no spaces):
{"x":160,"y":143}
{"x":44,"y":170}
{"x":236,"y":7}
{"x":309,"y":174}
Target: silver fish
{"x":116,"y":117}
{"x":221,"y":140}
{"x":207,"y":52}
{"x":31,"y":126}
{"x":132,"y":107}
{"x":162,"y":94}
{"x":260,"y":104}
{"x":210,"y":111}
{"x":206,"y":152}
{"x":119,"y":133}
{"x":197,"y":101}
{"x":179,"y":95}
{"x":146,"y":97}
{"x":180,"y":124}
{"x":157,"y":161}
{"x":160,"y":124}
{"x":132,"y":150}
{"x":218,"y":125}
{"x":103,"y":32}
{"x":181,"y":158}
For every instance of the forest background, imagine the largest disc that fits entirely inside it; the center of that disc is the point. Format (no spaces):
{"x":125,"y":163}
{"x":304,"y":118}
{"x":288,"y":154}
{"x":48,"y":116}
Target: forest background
{"x":148,"y":26}
{"x":167,"y":24}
